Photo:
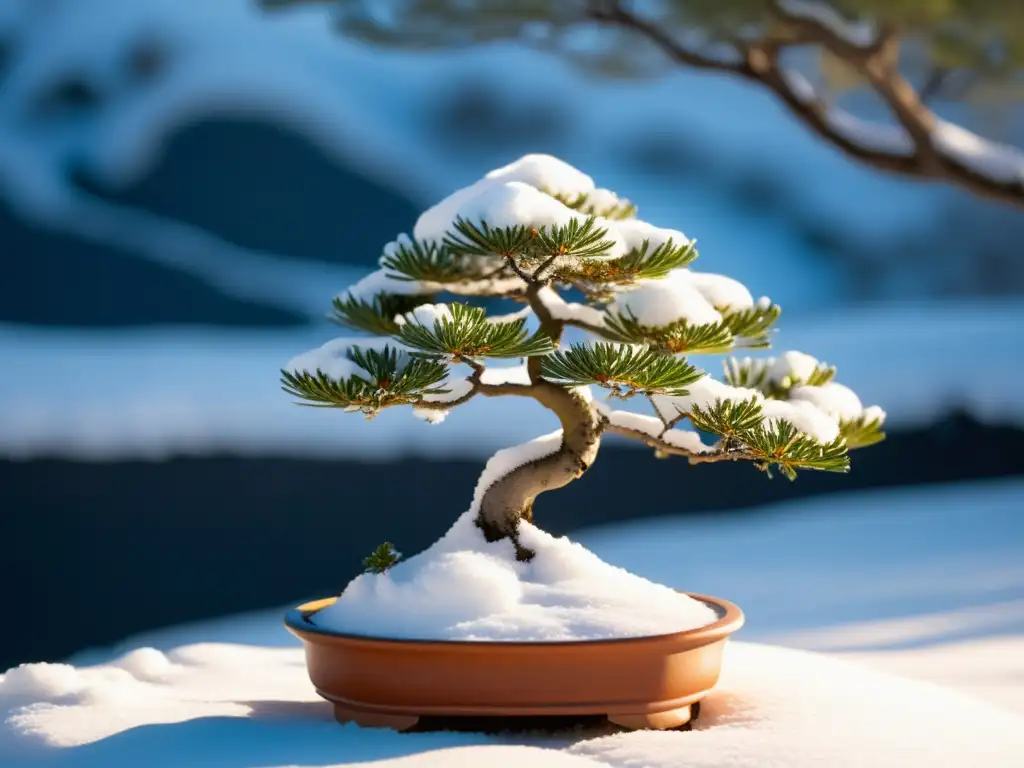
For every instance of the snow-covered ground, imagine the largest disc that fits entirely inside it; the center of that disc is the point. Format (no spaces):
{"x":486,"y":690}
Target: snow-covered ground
{"x":917,"y":596}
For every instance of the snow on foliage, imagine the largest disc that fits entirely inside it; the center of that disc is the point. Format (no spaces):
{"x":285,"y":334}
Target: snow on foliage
{"x":513,"y":374}
{"x":382,"y":281}
{"x":804,"y":416}
{"x":874,"y":413}
{"x":427,"y":314}
{"x":545,"y":172}
{"x":703,"y":393}
{"x":514,"y":203}
{"x":510,"y":205}
{"x":721,"y":292}
{"x":657,"y":303}
{"x":333,"y":357}
{"x":791,"y":366}
{"x":645,"y":309}
{"x":636,"y":232}
{"x":561,"y":309}
{"x":832,"y":398}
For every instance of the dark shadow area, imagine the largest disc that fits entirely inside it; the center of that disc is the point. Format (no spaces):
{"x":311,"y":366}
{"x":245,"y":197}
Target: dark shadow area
{"x":243,"y":742}
{"x":55,"y":279}
{"x":306,"y":737}
{"x":553,"y":725}
{"x":268,"y":188}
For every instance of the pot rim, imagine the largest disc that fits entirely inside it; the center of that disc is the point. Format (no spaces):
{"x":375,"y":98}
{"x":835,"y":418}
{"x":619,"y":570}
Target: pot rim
{"x":730,"y":619}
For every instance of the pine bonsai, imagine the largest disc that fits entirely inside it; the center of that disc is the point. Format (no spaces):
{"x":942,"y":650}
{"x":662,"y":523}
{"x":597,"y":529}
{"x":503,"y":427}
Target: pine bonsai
{"x":538,"y":232}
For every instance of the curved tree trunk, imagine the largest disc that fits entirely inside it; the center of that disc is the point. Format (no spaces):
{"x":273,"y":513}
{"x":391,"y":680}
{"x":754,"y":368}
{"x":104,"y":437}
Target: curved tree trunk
{"x":510,"y":499}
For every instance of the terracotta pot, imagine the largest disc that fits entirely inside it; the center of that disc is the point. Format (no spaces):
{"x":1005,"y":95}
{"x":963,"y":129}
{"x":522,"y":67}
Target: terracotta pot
{"x":642,"y":682}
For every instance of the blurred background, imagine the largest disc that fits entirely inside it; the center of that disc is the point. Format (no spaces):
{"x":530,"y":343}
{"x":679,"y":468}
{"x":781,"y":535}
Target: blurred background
{"x":185,"y":184}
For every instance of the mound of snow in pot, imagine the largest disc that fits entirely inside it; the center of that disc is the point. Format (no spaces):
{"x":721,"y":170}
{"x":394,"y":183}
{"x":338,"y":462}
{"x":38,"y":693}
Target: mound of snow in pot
{"x":464,"y":588}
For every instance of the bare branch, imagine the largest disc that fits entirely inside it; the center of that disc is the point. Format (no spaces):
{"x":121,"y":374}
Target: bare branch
{"x":447,"y":405}
{"x":613,"y":13}
{"x":524,"y":276}
{"x":877,"y":61}
{"x":573,"y":322}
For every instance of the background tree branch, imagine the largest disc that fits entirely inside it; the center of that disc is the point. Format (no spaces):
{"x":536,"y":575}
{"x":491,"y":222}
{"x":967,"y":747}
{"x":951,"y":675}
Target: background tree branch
{"x":924,"y":156}
{"x":747,"y":39}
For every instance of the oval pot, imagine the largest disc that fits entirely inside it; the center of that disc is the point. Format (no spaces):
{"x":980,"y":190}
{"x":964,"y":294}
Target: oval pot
{"x":639,"y":682}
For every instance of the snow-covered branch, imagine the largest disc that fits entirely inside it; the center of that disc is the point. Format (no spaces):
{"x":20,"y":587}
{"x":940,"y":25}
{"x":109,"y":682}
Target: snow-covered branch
{"x":678,"y":442}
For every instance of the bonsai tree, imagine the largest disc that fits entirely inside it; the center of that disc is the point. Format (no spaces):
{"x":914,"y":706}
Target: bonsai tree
{"x":609,"y":302}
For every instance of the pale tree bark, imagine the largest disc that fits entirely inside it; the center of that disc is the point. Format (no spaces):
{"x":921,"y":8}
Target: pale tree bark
{"x":510,"y":499}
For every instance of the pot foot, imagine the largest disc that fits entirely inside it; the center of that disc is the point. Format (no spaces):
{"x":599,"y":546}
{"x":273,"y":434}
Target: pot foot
{"x":365,"y":719}
{"x":658,"y":721}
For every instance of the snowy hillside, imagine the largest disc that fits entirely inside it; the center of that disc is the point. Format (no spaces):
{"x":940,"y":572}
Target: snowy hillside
{"x":377,"y":113}
{"x":99,"y":87}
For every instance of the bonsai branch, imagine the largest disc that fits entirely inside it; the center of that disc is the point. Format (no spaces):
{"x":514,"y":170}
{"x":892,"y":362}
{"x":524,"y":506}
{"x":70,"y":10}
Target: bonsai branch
{"x":549,"y":326}
{"x":478,"y":388}
{"x":659,"y":444}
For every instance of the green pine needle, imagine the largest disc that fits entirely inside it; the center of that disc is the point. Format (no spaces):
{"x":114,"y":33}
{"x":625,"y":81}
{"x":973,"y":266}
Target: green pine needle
{"x":529,"y":246}
{"x":639,"y":264}
{"x":431,"y":262}
{"x":780,"y":390}
{"x":680,"y":336}
{"x":376,"y":316}
{"x":468,"y":334}
{"x":626,"y":370}
{"x":383,"y":558}
{"x":754,"y":375}
{"x":782,"y":445}
{"x":622,"y":209}
{"x":823,"y":374}
{"x":482,"y":240}
{"x":752,"y":325}
{"x":390,"y":378}
{"x":748,"y":373}
{"x":728,"y":419}
{"x":861,"y":432}
{"x":741,"y":426}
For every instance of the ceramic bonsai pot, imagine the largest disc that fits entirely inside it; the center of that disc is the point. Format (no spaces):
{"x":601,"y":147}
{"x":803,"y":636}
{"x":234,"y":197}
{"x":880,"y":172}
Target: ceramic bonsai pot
{"x":642,"y":682}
